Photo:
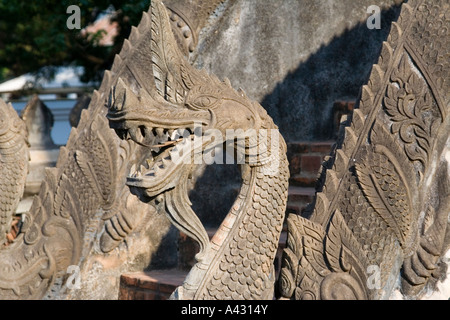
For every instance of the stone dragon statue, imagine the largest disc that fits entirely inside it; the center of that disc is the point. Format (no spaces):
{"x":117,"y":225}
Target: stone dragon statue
{"x":380,"y":213}
{"x":382,"y":199}
{"x":179,"y":106}
{"x":84,"y":215}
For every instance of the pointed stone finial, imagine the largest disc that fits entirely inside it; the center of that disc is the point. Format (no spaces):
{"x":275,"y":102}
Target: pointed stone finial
{"x":43,"y":151}
{"x":39,"y":121}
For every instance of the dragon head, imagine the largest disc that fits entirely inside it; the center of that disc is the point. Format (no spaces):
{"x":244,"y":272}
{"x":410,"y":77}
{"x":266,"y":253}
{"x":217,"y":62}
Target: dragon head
{"x":209,"y":114}
{"x":178,"y":112}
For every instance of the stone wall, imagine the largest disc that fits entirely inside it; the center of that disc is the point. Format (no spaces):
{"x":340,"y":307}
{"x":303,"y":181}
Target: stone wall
{"x":295,"y":57}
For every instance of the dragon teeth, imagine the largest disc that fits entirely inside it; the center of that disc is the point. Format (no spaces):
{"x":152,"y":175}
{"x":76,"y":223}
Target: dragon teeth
{"x":136,"y":135}
{"x":164,"y":163}
{"x":148,"y":132}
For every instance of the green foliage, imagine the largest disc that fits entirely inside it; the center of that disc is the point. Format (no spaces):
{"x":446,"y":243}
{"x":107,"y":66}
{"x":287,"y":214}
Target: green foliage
{"x":34,"y":34}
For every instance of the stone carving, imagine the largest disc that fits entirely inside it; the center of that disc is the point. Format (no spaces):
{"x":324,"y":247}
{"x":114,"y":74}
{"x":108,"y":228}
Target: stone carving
{"x":382,"y":198}
{"x":39,"y":121}
{"x":84,"y":211}
{"x":382,"y":202}
{"x":14,"y":166}
{"x":167,"y":108}
{"x":51,"y":237}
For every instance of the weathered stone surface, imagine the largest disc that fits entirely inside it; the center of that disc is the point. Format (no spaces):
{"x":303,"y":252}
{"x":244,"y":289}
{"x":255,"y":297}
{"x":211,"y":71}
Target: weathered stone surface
{"x":295,"y":57}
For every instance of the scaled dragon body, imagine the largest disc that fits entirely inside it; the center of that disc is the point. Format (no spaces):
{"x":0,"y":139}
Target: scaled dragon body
{"x":14,"y":156}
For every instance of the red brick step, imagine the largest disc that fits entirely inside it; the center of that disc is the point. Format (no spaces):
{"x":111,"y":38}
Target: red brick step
{"x":159,"y":284}
{"x":153,"y":285}
{"x":305,"y":159}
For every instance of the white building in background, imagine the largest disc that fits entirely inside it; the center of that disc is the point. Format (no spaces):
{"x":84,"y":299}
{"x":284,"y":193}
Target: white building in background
{"x":59,"y":94}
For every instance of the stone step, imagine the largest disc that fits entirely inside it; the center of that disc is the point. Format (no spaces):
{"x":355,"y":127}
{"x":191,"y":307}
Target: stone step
{"x":299,"y":198}
{"x":300,"y":194}
{"x":305,"y":159}
{"x":159,"y":284}
{"x":150,"y":285}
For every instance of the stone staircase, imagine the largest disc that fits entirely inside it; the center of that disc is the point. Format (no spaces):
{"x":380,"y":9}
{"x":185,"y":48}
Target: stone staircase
{"x":305,"y":159}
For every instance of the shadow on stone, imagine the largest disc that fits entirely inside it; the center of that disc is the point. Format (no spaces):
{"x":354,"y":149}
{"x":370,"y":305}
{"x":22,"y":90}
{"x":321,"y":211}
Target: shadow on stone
{"x":302,"y":104}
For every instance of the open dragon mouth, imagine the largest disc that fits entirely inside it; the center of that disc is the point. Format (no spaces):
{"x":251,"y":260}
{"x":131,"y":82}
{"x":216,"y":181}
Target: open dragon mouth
{"x":170,"y":149}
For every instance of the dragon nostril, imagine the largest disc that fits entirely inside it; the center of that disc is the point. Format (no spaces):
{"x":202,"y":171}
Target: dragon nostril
{"x":111,"y":99}
{"x":119,"y":101}
{"x":143,"y":131}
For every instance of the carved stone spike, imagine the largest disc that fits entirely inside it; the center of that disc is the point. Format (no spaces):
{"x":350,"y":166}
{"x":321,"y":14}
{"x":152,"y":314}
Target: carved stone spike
{"x":389,"y":174}
{"x":39,"y":121}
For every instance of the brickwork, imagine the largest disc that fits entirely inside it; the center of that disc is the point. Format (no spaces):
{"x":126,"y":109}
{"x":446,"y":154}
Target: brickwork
{"x":305,"y":159}
{"x":154,"y":285}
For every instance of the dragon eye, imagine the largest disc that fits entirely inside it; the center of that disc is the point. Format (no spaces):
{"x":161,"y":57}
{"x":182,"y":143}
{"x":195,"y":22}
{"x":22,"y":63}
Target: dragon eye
{"x":205,"y":102}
